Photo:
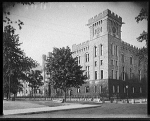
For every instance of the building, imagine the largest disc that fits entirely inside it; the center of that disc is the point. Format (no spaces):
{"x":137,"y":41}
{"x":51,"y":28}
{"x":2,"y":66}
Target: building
{"x":110,"y":63}
{"x":27,"y":91}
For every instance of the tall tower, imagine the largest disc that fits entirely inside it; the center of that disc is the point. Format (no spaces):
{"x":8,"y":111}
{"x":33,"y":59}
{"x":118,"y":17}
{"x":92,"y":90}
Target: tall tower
{"x":105,"y":41}
{"x":105,"y":35}
{"x":106,"y":22}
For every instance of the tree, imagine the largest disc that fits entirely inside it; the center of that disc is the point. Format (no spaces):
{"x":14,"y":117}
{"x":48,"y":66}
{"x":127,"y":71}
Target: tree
{"x":15,"y":63}
{"x":143,"y":15}
{"x":35,"y":80}
{"x":14,"y":59}
{"x":143,"y":52}
{"x":64,"y":70}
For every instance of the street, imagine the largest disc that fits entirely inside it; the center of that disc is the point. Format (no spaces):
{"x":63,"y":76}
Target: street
{"x":107,"y":110}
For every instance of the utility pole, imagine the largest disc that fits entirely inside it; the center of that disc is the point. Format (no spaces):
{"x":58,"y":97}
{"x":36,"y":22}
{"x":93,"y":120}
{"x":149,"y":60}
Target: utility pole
{"x":127,"y":94}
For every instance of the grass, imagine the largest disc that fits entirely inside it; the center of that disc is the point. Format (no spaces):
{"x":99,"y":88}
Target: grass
{"x":11,"y":105}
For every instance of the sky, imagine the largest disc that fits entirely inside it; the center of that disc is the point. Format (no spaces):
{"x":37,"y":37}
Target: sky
{"x":61,"y":24}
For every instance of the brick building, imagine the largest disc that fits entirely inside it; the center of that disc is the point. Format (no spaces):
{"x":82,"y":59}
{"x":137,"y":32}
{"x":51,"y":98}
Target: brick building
{"x":110,"y":63}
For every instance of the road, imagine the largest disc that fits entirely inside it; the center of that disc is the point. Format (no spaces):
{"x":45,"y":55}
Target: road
{"x":107,"y":110}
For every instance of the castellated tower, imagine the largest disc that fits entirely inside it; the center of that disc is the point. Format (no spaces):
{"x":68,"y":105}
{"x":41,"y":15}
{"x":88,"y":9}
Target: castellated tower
{"x":109,"y":63}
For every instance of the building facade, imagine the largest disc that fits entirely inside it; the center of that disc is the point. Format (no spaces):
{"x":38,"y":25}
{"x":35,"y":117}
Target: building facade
{"x":112,"y":65}
{"x":27,"y":91}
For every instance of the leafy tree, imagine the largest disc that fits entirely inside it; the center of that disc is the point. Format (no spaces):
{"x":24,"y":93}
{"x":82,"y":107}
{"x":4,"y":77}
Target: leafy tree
{"x":143,"y":15}
{"x":143,"y":53}
{"x":64,"y":70}
{"x":35,"y":80}
{"x":14,"y":59}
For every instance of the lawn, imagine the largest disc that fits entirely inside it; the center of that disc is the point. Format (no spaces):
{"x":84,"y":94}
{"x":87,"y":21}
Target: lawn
{"x":10,"y":105}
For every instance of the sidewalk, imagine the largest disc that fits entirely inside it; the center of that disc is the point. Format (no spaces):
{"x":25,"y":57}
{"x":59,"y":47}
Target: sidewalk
{"x":65,"y":106}
{"x":47,"y":109}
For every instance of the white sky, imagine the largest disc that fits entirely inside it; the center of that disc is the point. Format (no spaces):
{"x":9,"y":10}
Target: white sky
{"x":61,"y":24}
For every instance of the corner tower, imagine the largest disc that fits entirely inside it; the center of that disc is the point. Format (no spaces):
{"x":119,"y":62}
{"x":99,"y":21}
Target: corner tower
{"x":106,"y":22}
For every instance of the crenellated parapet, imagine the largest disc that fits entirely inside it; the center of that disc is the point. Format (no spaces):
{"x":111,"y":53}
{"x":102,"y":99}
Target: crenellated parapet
{"x":80,"y":46}
{"x":104,"y":14}
{"x":129,"y":47}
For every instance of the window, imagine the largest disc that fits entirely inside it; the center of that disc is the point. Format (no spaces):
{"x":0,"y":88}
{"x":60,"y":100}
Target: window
{"x":113,"y":89}
{"x":123,"y":74}
{"x":95,"y":50}
{"x":101,"y":29}
{"x":101,"y":21}
{"x":111,"y":49}
{"x":87,"y":57}
{"x":116,"y":74}
{"x":112,"y":72}
{"x":101,"y":62}
{"x":87,"y":72}
{"x":116,"y":63}
{"x":78,"y":90}
{"x":124,"y":90}
{"x":93,"y":30}
{"x":95,"y":75}
{"x":95,"y":63}
{"x":101,"y":74}
{"x":118,"y":89}
{"x":133,"y":90}
{"x":116,"y":50}
{"x":130,"y":73}
{"x":140,"y":90}
{"x":131,"y":61}
{"x":122,"y":57}
{"x":95,"y":89}
{"x":100,"y":89}
{"x":79,"y":59}
{"x":87,"y":89}
{"x":101,"y":49}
